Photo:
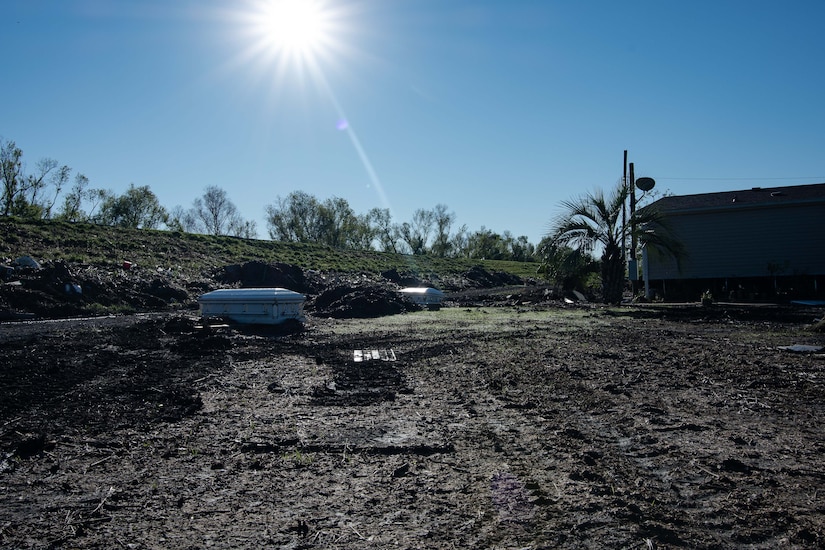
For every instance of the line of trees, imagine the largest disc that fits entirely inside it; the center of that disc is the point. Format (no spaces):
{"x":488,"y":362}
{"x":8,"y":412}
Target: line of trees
{"x":298,"y":217}
{"x":301,"y":217}
{"x":38,"y":195}
{"x":588,"y":225}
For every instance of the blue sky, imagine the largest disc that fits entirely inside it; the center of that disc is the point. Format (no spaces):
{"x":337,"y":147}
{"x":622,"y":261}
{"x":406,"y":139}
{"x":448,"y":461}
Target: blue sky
{"x":498,"y":109}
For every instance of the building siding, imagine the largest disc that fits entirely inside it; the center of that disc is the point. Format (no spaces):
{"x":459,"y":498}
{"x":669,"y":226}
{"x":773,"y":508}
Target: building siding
{"x":745,"y":242}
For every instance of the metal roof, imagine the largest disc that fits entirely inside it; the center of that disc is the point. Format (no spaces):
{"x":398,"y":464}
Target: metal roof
{"x":754,"y":197}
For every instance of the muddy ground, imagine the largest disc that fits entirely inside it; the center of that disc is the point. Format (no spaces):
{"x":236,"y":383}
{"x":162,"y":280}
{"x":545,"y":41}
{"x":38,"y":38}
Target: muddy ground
{"x":537,"y":426}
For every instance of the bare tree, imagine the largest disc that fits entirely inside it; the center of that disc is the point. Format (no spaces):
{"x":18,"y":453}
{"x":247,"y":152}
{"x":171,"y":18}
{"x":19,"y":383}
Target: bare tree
{"x":384,"y":231}
{"x":215,"y":212}
{"x":78,"y":196}
{"x":443,"y":221}
{"x":11,"y":169}
{"x":49,"y":175}
{"x":183,"y":220}
{"x":416,"y":234}
{"x":245,"y":229}
{"x":72,"y":209}
{"x":24,"y":195}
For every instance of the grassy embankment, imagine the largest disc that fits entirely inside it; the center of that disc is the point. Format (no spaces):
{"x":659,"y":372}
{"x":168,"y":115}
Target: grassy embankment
{"x":199,"y":254}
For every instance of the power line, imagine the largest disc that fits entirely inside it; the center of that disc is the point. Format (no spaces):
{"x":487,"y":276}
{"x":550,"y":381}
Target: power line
{"x":821,"y":178}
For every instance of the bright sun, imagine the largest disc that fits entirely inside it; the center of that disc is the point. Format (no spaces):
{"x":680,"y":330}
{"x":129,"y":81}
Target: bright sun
{"x":287,"y":35}
{"x":294,"y":27}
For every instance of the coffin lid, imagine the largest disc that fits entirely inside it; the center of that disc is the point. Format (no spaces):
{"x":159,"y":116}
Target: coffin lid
{"x":422,"y":290}
{"x":269,"y":295}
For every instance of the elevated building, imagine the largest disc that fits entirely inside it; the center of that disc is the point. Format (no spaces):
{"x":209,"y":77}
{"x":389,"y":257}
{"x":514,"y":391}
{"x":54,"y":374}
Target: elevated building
{"x":757,"y":244}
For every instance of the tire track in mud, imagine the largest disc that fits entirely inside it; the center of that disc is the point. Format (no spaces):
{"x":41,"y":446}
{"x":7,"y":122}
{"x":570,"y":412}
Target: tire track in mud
{"x":390,"y":459}
{"x":630,"y":460}
{"x":669,"y":458}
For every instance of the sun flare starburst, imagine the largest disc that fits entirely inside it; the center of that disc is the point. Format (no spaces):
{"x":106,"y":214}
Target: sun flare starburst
{"x":298,"y":29}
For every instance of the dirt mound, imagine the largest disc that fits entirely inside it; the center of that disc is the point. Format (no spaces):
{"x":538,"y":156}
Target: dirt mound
{"x":256,"y":274}
{"x":404,"y":279}
{"x":359,"y":301}
{"x":480,"y":277}
{"x":57,"y":289}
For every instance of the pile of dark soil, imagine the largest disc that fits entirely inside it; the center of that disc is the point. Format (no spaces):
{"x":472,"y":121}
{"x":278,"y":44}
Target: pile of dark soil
{"x":359,"y":300}
{"x":58,"y":289}
{"x":263,"y":275}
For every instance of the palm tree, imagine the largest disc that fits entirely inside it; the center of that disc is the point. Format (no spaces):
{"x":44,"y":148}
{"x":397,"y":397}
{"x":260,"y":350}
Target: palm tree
{"x":568,"y":268}
{"x":593,"y":223}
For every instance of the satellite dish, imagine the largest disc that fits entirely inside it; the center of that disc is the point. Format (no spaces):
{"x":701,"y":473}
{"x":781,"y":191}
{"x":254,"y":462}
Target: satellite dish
{"x":645,"y":184}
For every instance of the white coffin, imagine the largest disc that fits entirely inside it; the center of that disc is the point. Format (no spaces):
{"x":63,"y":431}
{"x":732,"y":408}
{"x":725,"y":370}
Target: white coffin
{"x":265,"y":306}
{"x":424,"y":296}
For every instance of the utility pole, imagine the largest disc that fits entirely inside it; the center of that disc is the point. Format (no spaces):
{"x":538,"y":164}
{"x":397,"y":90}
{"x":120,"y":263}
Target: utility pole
{"x":624,"y":212}
{"x":645,"y":184}
{"x":632,"y":215}
{"x":632,"y":270}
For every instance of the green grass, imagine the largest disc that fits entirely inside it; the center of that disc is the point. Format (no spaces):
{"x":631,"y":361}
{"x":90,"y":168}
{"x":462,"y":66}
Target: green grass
{"x":200,"y":254}
{"x":477,"y":320}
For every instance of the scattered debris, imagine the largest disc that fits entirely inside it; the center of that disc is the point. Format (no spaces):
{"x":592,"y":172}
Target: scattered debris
{"x":27,"y":261}
{"x":802,"y":348}
{"x":579,"y":296}
{"x":493,"y":435}
{"x":360,"y":355}
{"x":73,"y":289}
